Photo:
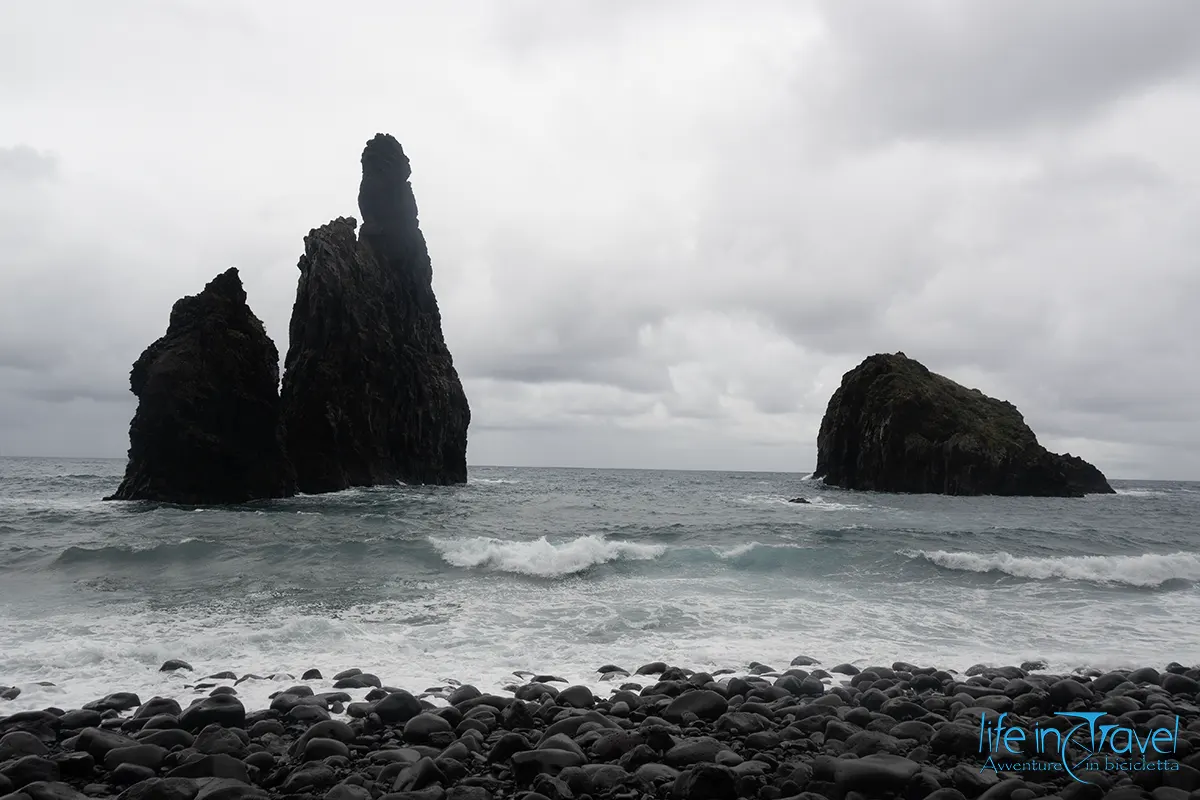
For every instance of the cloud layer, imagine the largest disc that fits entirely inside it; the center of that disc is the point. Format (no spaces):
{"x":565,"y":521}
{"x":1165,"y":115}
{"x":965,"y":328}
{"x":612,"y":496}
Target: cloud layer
{"x":660,"y":232}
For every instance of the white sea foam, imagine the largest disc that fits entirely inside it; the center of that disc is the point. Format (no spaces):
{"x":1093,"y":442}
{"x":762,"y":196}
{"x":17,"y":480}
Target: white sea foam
{"x":768,"y":499}
{"x":493,"y":480}
{"x":815,"y":503}
{"x":740,"y":550}
{"x":421,"y":625}
{"x":567,"y":629}
{"x":832,"y":505}
{"x":1147,"y":570}
{"x":541,"y":557}
{"x":744,"y":549}
{"x":416,"y":658}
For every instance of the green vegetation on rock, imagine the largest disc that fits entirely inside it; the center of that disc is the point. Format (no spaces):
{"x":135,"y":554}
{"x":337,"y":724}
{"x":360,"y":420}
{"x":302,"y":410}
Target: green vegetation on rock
{"x":893,"y":425}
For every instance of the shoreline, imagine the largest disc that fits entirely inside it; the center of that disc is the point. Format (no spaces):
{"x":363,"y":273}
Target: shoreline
{"x":653,"y":730}
{"x":424,"y":676}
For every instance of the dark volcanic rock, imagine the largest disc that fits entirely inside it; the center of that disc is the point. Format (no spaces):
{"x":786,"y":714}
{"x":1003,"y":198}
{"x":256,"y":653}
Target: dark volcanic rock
{"x":222,"y":709}
{"x":704,"y":703}
{"x":370,"y":392}
{"x":876,"y":736}
{"x":207,"y":425}
{"x":397,"y":708}
{"x":894,"y":426}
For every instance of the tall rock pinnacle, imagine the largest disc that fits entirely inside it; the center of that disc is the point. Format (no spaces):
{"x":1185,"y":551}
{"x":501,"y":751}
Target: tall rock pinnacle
{"x":370,"y":393}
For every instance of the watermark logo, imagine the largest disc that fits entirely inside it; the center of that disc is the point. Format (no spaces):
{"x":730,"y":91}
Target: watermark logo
{"x":1083,"y":746}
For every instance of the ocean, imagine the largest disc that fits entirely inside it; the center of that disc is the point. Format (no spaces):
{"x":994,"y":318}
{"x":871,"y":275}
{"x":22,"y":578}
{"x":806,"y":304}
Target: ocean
{"x":563,"y":570}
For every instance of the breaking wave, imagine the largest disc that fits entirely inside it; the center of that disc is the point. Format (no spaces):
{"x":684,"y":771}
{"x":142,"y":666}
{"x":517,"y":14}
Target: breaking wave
{"x":188,"y":549}
{"x":1145,"y":571}
{"x":541,"y":558}
{"x":770,"y":551}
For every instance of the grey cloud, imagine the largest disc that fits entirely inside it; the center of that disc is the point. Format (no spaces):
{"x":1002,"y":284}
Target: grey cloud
{"x":27,"y":357}
{"x":1168,"y":410}
{"x":26,"y":165}
{"x":777,"y":404}
{"x":660,"y":232}
{"x":1106,"y":173}
{"x":1070,"y":273}
{"x":528,"y":26}
{"x":536,"y":426}
{"x":68,"y":394}
{"x":75,"y":428}
{"x":941,"y":68}
{"x":561,"y":367}
{"x":562,"y":322}
{"x":684,"y":408}
{"x":528,"y":29}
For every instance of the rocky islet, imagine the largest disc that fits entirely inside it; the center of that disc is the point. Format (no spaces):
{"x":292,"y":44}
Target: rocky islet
{"x":370,"y":393}
{"x":206,"y":428}
{"x":895,"y":426}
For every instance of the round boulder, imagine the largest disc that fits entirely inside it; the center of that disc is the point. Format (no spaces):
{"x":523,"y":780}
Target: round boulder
{"x":397,"y":708}
{"x":577,"y":697}
{"x":422,"y":727}
{"x":223,"y":709}
{"x":21,"y":743}
{"x":704,"y":703}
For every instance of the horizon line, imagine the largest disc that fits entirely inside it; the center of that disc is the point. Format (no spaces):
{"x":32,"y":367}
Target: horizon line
{"x":803,"y":473}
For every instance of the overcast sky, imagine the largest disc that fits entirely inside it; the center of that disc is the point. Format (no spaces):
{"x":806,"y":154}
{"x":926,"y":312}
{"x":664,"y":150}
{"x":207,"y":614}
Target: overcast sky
{"x":661,"y":232}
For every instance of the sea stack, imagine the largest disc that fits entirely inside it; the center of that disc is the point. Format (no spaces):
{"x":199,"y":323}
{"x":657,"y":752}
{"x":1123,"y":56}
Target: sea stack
{"x":206,"y":430}
{"x":370,"y":393}
{"x":894,"y":426}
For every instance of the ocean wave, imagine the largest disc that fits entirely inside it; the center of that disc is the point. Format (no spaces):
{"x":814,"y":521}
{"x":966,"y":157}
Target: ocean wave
{"x":541,"y":558}
{"x":1145,"y":571}
{"x":185,"y":550}
{"x":493,"y":480}
{"x":741,"y":551}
